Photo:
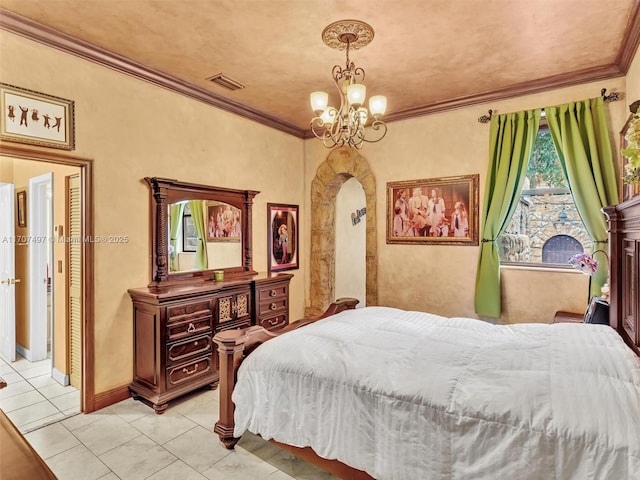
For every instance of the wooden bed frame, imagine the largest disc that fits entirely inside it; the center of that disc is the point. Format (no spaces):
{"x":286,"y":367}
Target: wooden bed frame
{"x":624,"y":243}
{"x":233,"y":347}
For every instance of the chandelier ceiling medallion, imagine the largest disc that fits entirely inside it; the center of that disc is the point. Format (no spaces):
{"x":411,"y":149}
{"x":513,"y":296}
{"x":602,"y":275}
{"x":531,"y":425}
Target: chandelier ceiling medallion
{"x":346,"y":125}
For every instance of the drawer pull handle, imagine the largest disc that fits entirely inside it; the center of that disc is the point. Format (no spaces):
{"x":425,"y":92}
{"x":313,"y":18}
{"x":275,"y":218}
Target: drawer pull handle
{"x":189,"y":372}
{"x":273,"y":321}
{"x":273,"y":293}
{"x":195,"y":343}
{"x":191,"y":328}
{"x":273,"y":306}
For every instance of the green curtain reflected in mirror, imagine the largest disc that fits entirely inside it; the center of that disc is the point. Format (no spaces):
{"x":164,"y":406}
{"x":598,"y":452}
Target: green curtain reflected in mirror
{"x":175,"y":217}
{"x":198,"y":214}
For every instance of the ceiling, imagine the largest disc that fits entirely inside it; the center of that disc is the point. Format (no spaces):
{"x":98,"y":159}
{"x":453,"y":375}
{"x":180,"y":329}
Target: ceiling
{"x":426,"y":56}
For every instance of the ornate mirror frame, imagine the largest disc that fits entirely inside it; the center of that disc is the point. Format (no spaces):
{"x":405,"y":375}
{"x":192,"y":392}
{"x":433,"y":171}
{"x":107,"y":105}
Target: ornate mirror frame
{"x":163,"y":192}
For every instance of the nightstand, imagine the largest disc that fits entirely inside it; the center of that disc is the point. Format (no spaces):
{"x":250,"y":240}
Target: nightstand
{"x":568,"y":317}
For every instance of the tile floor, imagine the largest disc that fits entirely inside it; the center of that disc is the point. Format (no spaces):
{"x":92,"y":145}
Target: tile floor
{"x":129,"y":441}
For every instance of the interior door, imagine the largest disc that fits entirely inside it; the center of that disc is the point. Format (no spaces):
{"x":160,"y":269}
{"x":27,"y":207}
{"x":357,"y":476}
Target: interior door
{"x":7,"y":272}
{"x":39,"y":226}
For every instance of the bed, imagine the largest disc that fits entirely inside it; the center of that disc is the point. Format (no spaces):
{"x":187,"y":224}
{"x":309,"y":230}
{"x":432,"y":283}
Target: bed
{"x":384,"y":393}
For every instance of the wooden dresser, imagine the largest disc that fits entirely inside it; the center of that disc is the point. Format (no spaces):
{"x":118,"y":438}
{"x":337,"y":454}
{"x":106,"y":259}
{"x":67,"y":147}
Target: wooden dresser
{"x":624,"y":250}
{"x":174,"y":325}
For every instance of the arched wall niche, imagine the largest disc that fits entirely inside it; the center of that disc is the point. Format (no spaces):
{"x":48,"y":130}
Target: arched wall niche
{"x":341,"y":165}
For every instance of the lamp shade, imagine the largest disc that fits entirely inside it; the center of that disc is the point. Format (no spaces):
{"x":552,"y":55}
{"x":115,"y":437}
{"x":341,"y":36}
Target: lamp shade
{"x":319,"y":101}
{"x":328,"y":116}
{"x":356,"y":93}
{"x":378,"y":105}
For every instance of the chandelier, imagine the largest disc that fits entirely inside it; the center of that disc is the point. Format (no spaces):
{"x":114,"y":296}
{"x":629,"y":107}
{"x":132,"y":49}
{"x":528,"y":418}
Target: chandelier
{"x":346,"y":125}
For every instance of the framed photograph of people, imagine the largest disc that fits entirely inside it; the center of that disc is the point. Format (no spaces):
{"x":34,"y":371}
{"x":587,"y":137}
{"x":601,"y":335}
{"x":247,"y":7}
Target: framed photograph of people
{"x":224,"y":222}
{"x":35,"y":118}
{"x":438,"y":211}
{"x":282,"y":231}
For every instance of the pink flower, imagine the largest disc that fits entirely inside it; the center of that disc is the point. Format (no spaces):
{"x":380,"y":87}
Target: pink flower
{"x":585,"y":263}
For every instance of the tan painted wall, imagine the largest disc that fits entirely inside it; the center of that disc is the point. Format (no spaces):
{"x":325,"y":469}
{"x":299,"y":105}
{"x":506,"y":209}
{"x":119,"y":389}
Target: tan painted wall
{"x":441,"y":279}
{"x":633,"y":81}
{"x":132,"y":129}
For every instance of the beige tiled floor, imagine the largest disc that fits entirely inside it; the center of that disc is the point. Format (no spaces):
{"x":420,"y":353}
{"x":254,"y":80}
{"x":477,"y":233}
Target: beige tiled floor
{"x":129,"y":441}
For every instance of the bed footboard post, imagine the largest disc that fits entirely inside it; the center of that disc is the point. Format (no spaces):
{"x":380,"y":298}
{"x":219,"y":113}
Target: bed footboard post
{"x":230,"y":350}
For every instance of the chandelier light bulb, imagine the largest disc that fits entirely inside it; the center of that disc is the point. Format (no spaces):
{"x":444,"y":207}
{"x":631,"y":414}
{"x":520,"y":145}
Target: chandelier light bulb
{"x":377,"y":105}
{"x":319,"y":101}
{"x":356,"y":93}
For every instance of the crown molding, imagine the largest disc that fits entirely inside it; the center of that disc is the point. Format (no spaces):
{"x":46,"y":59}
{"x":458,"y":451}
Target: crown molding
{"x":631,"y":40}
{"x":27,"y":28}
{"x":50,"y":37}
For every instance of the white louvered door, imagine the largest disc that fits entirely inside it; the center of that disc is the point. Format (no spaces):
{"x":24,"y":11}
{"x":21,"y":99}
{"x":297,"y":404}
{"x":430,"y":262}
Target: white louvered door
{"x":74,"y":280}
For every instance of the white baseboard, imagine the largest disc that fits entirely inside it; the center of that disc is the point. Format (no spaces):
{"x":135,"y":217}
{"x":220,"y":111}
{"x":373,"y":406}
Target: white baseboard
{"x":24,"y":352}
{"x":60,"y":377}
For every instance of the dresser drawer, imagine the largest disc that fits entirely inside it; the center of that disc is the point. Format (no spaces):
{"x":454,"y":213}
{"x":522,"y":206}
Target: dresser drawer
{"x":188,"y":327}
{"x":275,"y":322}
{"x":230,"y":325}
{"x":273,"y":292}
{"x":188,"y":371}
{"x":276,"y":305}
{"x":178,"y":313}
{"x":187,"y":348}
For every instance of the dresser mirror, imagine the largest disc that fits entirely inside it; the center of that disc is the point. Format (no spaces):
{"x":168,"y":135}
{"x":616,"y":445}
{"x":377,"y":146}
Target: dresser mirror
{"x":199,"y":229}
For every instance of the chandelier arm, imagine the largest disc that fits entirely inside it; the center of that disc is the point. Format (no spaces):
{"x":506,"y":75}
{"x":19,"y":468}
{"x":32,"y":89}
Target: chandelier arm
{"x":359,"y":72}
{"x":377,"y":125}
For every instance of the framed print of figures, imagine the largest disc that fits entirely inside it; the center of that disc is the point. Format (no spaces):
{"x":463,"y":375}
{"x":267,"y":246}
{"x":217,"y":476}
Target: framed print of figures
{"x":282,"y":229}
{"x":224,"y":222}
{"x":438,"y":211}
{"x":36,"y":118}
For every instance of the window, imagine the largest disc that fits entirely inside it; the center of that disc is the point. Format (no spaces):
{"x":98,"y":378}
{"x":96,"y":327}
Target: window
{"x":189,"y":236}
{"x":545,"y":227}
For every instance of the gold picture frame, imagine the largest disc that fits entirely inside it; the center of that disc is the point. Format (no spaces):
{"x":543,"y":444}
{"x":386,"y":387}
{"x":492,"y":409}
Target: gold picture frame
{"x":35,"y":118}
{"x":628,"y":190}
{"x":436,"y":211}
{"x":282,"y":246}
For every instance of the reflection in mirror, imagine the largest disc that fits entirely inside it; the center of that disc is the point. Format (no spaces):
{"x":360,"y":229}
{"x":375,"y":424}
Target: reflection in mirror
{"x":198,"y":229}
{"x":204,"y":235}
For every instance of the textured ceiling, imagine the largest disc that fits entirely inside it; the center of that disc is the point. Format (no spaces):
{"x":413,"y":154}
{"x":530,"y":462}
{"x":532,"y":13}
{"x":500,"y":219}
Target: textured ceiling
{"x":427,"y":55}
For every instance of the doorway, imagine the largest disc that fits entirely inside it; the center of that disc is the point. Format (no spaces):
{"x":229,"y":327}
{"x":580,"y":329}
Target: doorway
{"x":83,"y":167}
{"x":341,"y":165}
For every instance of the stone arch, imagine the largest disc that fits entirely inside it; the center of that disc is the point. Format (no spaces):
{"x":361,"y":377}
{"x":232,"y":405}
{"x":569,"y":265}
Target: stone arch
{"x":341,"y":165}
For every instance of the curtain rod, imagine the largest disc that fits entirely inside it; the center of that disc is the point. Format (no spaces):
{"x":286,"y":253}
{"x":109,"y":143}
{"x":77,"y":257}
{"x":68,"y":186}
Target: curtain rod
{"x":612,"y":97}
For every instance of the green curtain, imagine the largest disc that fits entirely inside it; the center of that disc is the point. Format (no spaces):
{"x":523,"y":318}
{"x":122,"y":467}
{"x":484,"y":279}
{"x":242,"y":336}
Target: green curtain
{"x":197,"y":208}
{"x":512,"y":138}
{"x":175,"y":217}
{"x":581,"y":137}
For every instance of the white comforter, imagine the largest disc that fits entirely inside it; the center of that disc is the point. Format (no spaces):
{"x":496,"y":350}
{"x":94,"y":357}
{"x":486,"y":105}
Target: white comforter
{"x":409,"y":395}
